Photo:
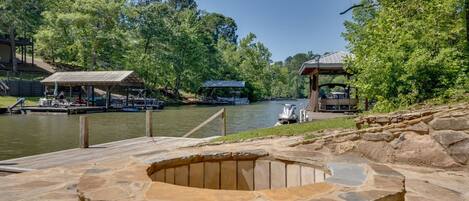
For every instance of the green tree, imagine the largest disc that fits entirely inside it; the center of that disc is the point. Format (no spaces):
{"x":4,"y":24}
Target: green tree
{"x":297,"y":84}
{"x":252,"y":64}
{"x":84,"y":32}
{"x":20,"y":17}
{"x":170,"y":44}
{"x":220,"y":27}
{"x":180,"y":5}
{"x":407,"y":51}
{"x":148,"y":27}
{"x":171,"y":47}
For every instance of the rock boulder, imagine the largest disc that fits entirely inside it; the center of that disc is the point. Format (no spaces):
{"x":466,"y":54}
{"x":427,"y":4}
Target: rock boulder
{"x":448,"y":137}
{"x":460,"y":151}
{"x":384,"y":136}
{"x":450,"y":123}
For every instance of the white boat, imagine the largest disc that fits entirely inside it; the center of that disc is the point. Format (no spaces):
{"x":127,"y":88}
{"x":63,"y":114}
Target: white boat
{"x":288,"y":115}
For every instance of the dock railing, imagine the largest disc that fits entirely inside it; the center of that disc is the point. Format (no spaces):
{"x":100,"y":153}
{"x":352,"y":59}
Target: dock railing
{"x":84,"y":126}
{"x":221,"y":113}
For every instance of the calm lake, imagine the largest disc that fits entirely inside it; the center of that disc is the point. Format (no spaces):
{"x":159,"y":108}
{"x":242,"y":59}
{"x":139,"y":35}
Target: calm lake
{"x":24,"y":135}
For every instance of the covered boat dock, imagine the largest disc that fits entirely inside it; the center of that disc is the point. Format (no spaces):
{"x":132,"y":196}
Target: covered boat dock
{"x":330,"y":64}
{"x":75,"y":83}
{"x":222,"y":92}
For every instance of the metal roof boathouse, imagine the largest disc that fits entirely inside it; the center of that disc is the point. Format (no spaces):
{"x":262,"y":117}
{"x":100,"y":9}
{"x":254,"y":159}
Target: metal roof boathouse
{"x":329,"y":64}
{"x":221,"y":92}
{"x":94,"y":78}
{"x":224,"y":84}
{"x":106,"y":80}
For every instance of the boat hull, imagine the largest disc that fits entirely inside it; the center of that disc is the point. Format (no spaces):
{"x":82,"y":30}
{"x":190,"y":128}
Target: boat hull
{"x":287,"y":121}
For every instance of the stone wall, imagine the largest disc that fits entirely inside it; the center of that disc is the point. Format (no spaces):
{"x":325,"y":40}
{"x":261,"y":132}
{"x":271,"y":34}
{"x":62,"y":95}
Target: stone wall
{"x":400,"y":116}
{"x":436,"y":137}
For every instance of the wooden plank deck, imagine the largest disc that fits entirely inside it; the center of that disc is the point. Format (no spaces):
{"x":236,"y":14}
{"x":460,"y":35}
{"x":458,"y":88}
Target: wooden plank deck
{"x":99,"y":152}
{"x":68,"y":110}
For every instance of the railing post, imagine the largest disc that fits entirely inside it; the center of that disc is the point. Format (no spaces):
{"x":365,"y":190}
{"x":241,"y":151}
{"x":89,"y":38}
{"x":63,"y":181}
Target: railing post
{"x":148,"y":124}
{"x":84,"y":140}
{"x":223,"y":126}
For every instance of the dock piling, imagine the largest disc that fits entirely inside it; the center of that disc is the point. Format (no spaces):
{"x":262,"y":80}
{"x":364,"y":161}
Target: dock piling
{"x":84,"y":138}
{"x":148,"y":123}
{"x":223,"y":126}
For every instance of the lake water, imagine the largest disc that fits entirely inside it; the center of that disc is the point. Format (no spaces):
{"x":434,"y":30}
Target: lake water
{"x":24,"y":135}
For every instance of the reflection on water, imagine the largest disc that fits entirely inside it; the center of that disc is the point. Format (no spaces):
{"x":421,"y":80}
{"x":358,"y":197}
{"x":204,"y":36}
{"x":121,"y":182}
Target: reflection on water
{"x":23,"y":135}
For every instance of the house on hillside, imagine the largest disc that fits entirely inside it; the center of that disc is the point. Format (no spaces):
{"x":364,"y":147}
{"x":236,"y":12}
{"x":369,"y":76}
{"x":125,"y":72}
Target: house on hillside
{"x":22,"y":44}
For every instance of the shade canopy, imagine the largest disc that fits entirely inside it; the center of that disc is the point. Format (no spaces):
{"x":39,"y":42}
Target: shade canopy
{"x":328,"y":64}
{"x":94,"y":78}
{"x":224,"y":84}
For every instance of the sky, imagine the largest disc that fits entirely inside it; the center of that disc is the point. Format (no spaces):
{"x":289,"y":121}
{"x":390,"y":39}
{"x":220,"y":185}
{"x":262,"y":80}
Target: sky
{"x":288,"y":27}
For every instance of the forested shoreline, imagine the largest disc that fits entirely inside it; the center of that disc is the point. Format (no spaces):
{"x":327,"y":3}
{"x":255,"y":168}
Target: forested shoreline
{"x":173,"y":45}
{"x":405,"y":52}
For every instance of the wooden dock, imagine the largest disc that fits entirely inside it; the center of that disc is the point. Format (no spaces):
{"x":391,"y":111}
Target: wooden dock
{"x":63,"y":110}
{"x":112,"y":150}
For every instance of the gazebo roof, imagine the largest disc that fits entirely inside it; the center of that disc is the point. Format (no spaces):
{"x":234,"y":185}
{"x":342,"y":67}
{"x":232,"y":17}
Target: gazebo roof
{"x":96,"y":78}
{"x":224,"y":84}
{"x":328,"y":64}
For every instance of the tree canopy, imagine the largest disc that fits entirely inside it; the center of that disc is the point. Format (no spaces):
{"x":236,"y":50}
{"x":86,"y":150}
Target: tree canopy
{"x":408,"y":51}
{"x":172,"y":45}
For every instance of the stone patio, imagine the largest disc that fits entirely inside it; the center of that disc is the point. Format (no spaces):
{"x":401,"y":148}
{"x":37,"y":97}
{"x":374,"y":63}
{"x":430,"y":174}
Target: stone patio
{"x":421,"y":158}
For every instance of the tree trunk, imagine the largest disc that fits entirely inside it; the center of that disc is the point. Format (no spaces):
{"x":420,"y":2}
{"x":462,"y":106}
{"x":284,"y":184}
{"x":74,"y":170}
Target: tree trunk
{"x":13,"y":48}
{"x":466,"y":8}
{"x":147,"y":44}
{"x":94,"y":58}
{"x":177,"y":86}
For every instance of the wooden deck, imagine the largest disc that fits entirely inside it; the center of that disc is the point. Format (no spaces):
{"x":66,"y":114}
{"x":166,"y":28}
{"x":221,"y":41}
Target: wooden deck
{"x":68,"y":110}
{"x":118,"y":149}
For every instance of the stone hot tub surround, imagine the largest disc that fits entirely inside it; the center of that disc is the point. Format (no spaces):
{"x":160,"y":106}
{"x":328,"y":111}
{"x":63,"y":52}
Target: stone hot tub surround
{"x":139,"y":179}
{"x":251,"y":170}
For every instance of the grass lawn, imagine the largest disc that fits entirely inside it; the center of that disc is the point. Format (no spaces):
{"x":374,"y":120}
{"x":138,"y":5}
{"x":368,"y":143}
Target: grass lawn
{"x":289,"y":130}
{"x":6,"y":101}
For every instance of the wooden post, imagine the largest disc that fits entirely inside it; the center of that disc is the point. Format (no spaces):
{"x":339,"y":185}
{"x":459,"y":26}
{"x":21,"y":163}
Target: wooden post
{"x":108,"y":97}
{"x":127,"y":96}
{"x":148,"y":124}
{"x":70,"y":95}
{"x":223,"y":124}
{"x":21,"y":52}
{"x":32,"y":52}
{"x":93,"y":102}
{"x":314,"y":91}
{"x":84,"y":143}
{"x":87,"y":95}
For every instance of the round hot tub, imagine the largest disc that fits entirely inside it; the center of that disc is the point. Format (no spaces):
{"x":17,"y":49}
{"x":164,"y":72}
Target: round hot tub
{"x":226,"y":171}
